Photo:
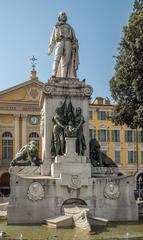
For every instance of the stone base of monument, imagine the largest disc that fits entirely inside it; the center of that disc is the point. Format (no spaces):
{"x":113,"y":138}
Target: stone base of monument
{"x":36,"y":198}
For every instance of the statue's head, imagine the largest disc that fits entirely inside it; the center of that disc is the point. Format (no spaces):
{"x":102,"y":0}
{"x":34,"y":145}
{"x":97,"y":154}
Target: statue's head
{"x":78,"y":110}
{"x":94,"y":144}
{"x":59,"y":109}
{"x":32,"y":142}
{"x":32,"y":145}
{"x":62,"y":17}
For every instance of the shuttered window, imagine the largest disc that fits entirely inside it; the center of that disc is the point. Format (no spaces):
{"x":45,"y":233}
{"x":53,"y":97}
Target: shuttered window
{"x":101,"y":115}
{"x":103,"y":135}
{"x":132,"y":156}
{"x":129,"y":136}
{"x":92,"y":133}
{"x":117,"y":157}
{"x":115,"y":135}
{"x":7,"y":147}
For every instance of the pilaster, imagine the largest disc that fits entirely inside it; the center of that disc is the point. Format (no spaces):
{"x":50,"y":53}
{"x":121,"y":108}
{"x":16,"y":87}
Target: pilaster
{"x":24,"y":129}
{"x":16,"y":130}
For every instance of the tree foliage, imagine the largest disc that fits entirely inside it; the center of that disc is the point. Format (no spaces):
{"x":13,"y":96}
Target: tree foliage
{"x":127,"y":83}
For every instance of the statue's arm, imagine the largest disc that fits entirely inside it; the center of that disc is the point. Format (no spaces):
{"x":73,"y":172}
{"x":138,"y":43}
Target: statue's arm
{"x":58,"y":122}
{"x":74,"y":39}
{"x":52,"y":42}
{"x":81,"y":123}
{"x":75,"y":49}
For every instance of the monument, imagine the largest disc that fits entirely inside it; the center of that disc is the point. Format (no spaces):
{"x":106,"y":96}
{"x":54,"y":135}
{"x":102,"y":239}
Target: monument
{"x":75,"y":183}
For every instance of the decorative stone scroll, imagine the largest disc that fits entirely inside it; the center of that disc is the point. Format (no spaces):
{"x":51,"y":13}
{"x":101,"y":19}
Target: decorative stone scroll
{"x":35,"y":191}
{"x":87,"y":90}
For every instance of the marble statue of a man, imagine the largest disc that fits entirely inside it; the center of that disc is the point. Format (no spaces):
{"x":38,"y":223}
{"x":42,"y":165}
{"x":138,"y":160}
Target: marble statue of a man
{"x":63,"y":39}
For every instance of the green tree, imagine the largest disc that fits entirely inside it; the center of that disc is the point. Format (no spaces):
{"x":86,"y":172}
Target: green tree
{"x":127,"y":83}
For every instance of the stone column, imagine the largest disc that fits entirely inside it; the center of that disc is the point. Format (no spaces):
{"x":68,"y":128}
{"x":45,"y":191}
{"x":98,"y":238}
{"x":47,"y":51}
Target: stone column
{"x":47,"y":135}
{"x":24,"y":129}
{"x":16,"y":133}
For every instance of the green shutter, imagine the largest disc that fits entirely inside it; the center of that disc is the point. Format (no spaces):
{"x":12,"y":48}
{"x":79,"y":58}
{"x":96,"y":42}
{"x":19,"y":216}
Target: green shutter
{"x":108,"y":135}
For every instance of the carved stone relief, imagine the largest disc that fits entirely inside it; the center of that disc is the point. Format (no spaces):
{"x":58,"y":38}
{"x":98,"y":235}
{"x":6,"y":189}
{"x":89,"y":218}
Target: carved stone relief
{"x":35,"y":191}
{"x":111,"y":191}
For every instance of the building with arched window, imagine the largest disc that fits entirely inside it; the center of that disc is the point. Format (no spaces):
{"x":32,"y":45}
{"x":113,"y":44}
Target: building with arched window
{"x":19,"y":122}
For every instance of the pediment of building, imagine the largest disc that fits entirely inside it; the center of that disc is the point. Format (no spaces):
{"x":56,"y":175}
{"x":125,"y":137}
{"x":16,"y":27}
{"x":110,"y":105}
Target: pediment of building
{"x":29,"y":91}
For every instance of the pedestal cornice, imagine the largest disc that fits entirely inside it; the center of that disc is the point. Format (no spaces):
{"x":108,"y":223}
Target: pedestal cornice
{"x":68,"y":87}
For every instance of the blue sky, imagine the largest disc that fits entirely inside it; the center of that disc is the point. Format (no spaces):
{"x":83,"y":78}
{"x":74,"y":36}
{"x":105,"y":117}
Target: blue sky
{"x":25,"y":29}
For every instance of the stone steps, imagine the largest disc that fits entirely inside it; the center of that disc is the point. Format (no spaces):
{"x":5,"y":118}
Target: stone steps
{"x":98,"y":221}
{"x":3,"y":210}
{"x":3,"y":215}
{"x":3,"y":206}
{"x":69,"y":221}
{"x":60,"y":222}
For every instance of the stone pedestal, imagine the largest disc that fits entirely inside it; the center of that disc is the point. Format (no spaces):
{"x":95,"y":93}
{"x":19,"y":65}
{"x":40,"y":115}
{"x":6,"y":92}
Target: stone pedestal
{"x":35,"y":198}
{"x":55,"y":91}
{"x":71,"y":168}
{"x":70,"y":147}
{"x":104,"y":171}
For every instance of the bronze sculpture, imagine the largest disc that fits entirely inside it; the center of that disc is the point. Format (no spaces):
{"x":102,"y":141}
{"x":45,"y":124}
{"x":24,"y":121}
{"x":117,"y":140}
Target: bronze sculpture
{"x":67,"y":124}
{"x":98,"y":158}
{"x":27,"y":156}
{"x":58,"y":140}
{"x":80,"y":141}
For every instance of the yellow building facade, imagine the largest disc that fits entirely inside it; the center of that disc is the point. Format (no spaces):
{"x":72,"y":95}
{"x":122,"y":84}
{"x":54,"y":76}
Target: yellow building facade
{"x":122,"y":144}
{"x":20,"y":122}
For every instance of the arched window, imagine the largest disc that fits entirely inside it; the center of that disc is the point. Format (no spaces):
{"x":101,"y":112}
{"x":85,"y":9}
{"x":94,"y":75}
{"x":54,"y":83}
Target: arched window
{"x":5,"y":184}
{"x":34,"y":137}
{"x":7,"y":147}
